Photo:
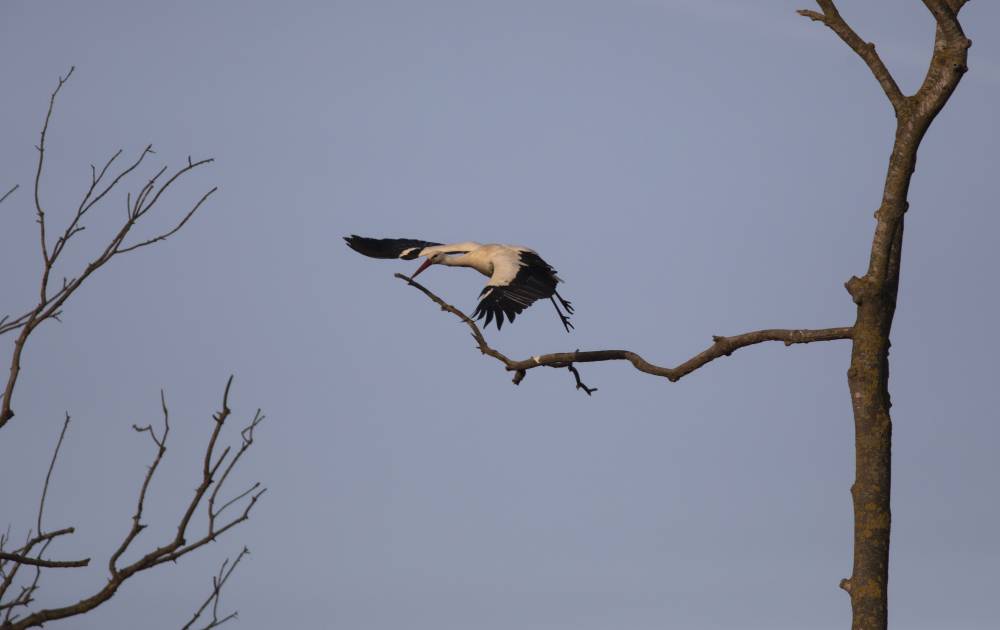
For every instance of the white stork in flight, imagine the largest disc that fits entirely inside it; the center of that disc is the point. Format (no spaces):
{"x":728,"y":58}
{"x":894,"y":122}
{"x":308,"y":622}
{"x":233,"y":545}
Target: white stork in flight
{"x":518,"y":276}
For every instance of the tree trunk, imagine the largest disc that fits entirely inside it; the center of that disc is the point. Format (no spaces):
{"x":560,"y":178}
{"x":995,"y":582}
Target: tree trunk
{"x":875,"y":296}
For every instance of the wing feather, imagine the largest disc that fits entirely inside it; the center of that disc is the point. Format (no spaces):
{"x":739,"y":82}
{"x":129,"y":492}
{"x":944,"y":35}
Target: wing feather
{"x":405,"y":248}
{"x":520,"y":277}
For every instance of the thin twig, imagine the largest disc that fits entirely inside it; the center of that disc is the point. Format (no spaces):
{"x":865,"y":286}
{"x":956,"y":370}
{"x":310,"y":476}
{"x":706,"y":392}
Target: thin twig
{"x":161,"y":449}
{"x":247,"y":436}
{"x":218,"y":581}
{"x":579,"y":383}
{"x":38,"y":562}
{"x":41,"y":162}
{"x":164,"y":236}
{"x":9,"y":193}
{"x":48,"y":475}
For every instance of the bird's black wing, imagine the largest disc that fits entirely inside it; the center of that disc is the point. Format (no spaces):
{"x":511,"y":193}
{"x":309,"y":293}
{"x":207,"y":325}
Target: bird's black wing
{"x":534,"y":280}
{"x":405,"y":248}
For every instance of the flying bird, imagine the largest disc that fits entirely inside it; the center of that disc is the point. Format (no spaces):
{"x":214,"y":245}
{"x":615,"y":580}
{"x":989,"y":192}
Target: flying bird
{"x":518,"y":276}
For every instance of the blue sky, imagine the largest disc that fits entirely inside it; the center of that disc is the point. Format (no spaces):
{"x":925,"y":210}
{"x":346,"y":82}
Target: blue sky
{"x":690,"y":168}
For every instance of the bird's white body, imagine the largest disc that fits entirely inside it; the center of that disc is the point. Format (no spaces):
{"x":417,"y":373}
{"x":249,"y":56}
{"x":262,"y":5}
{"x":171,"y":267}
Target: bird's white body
{"x":498,"y":262}
{"x":518,"y":276}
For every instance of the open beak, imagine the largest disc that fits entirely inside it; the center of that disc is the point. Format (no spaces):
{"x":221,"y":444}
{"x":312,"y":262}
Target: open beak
{"x":427,"y":263}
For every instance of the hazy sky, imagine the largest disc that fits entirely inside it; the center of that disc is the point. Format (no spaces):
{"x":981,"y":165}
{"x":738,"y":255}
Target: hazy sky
{"x":690,"y":167}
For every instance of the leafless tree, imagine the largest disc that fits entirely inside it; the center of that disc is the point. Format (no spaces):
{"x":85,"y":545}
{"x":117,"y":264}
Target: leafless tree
{"x":22,"y":564}
{"x":873,"y":293}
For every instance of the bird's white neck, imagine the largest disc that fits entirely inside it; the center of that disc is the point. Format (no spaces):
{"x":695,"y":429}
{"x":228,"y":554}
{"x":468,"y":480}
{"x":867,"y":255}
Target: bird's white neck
{"x":470,"y":259}
{"x":458,"y":260}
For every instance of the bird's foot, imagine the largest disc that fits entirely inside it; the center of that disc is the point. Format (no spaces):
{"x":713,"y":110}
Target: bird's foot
{"x":566,"y":303}
{"x":568,"y":325}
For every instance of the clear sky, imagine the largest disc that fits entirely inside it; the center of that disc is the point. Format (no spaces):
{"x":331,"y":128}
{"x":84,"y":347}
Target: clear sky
{"x":691,"y":167}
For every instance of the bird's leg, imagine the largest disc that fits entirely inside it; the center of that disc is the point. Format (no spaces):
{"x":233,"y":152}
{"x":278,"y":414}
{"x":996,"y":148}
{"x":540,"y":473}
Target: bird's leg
{"x":566,"y":303}
{"x":565,"y":319}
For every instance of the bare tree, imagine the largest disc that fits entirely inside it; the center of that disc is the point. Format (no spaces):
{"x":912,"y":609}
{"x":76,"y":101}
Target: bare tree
{"x":22,"y":565}
{"x":874,"y":294}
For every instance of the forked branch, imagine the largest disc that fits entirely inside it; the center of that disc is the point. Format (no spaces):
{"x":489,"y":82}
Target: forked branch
{"x":946,"y":14}
{"x":12,"y":562}
{"x":866,"y":50}
{"x":721,"y":347}
{"x":179,"y":545}
{"x":103,"y":181}
{"x":875,"y":294}
{"x":218,"y":581}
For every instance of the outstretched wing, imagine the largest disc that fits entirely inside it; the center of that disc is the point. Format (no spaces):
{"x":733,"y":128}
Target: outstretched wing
{"x":405,"y":248}
{"x":519,"y":278}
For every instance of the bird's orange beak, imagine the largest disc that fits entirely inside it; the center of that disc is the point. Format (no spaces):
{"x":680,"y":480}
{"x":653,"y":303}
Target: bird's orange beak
{"x":427,"y":263}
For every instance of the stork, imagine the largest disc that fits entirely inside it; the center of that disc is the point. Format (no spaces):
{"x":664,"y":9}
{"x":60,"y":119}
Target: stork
{"x":518,"y":276}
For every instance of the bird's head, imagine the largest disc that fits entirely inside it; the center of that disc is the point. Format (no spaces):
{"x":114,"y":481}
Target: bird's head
{"x":434,"y":259}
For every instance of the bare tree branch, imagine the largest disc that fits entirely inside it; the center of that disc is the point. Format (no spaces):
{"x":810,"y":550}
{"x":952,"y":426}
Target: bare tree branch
{"x":41,"y":161}
{"x":247,"y":437}
{"x":945,"y":12}
{"x":949,"y":61}
{"x":9,"y":193}
{"x":40,"y":538}
{"x":19,"y":557}
{"x":579,"y":384}
{"x":22,"y":557}
{"x":38,"y":562}
{"x":721,"y":346}
{"x":7,"y":324}
{"x":17,"y":588}
{"x":165,"y":235}
{"x":218,"y":581}
{"x":161,"y":448}
{"x":866,"y":50}
{"x":178,"y":546}
{"x":50,"y":305}
{"x":48,"y":474}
